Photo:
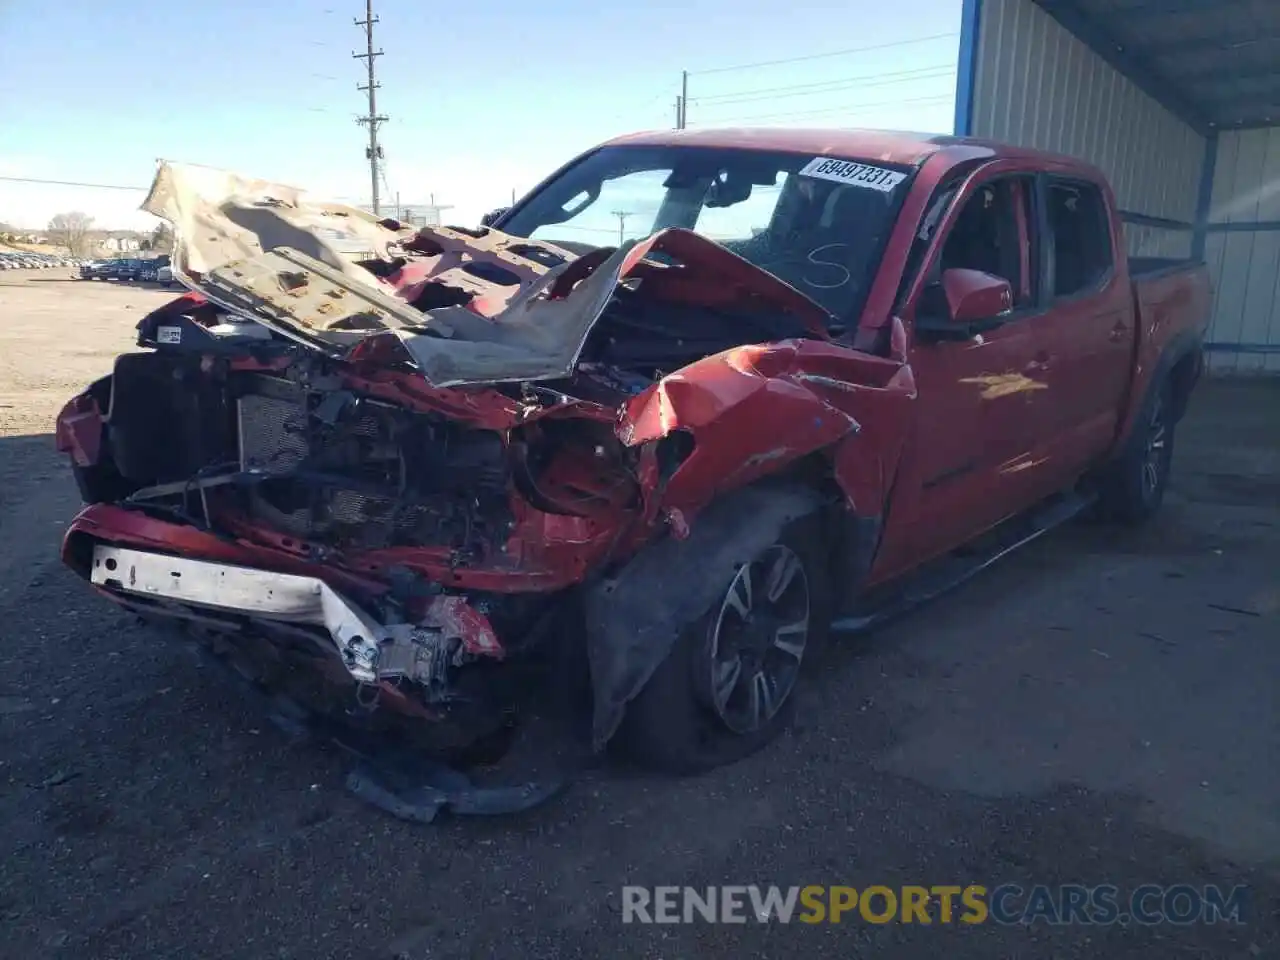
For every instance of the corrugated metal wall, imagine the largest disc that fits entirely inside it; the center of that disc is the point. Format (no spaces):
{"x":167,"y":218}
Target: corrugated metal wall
{"x":1246,"y":265}
{"x":1037,"y":85}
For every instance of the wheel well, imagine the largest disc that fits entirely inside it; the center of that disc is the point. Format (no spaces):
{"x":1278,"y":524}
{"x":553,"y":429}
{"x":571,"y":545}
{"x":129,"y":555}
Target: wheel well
{"x":1182,"y":377}
{"x":815,"y":472}
{"x":850,"y":540}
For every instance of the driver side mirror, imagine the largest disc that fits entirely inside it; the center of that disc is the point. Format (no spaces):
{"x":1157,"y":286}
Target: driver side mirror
{"x":488,"y":219}
{"x":964,"y":303}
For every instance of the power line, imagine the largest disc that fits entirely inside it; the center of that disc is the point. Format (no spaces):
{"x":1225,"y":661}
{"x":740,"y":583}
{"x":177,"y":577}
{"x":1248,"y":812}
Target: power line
{"x":372,"y":119}
{"x":73,"y":183}
{"x":625,"y":113}
{"x":820,"y":56}
{"x":828,"y":86}
{"x":569,"y":226}
{"x":814,"y":85}
{"x":840,"y":109}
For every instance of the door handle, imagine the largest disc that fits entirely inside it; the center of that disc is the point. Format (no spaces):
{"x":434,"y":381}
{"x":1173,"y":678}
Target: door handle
{"x":1118,"y":332}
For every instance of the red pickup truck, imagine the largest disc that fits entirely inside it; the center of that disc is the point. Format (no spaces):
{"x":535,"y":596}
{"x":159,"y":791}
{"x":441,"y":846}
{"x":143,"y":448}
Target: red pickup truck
{"x":832,"y":374}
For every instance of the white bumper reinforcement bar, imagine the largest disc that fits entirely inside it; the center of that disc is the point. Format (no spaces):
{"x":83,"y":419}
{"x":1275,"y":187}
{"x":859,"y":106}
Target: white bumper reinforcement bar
{"x":370,"y":650}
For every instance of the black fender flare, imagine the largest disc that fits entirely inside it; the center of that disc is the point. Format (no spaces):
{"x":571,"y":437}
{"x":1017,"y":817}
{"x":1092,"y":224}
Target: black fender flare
{"x":1184,"y":344}
{"x":633,"y":618}
{"x":1189,"y":343}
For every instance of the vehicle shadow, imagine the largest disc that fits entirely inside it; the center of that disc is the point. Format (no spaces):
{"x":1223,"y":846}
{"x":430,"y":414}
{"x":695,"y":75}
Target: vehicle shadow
{"x":38,"y":497}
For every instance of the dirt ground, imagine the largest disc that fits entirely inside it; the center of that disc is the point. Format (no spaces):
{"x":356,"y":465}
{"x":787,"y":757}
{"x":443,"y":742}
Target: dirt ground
{"x":1099,"y":709}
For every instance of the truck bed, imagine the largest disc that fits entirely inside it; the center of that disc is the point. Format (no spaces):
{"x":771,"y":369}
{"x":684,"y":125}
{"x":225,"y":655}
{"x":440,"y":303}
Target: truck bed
{"x":1162,"y":286}
{"x":1171,"y":313}
{"x":1144,"y":267}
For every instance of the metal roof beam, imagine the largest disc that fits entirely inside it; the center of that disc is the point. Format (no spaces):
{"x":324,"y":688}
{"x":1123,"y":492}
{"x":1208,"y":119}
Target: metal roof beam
{"x":1149,"y":8}
{"x":1131,"y":65}
{"x":1248,"y":124}
{"x":967,"y":66}
{"x":1245,"y":101}
{"x":1228,"y":74}
{"x":1227,"y":43}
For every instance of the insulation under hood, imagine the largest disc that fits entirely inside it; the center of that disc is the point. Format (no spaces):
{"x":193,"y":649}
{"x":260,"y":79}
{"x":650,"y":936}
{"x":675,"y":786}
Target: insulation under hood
{"x":466,"y":306}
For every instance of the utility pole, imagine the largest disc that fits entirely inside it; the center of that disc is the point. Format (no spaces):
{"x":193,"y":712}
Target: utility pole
{"x":622,"y":224}
{"x":372,"y":119}
{"x":682,"y":115}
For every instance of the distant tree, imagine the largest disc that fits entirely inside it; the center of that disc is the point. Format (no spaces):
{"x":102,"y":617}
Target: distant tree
{"x":162,"y":238}
{"x":71,"y":230}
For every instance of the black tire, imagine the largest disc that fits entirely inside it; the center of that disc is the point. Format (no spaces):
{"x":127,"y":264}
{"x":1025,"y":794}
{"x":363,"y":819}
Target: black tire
{"x":1133,"y":486}
{"x":673,"y":727}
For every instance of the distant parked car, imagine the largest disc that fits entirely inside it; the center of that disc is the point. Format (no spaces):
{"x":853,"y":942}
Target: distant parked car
{"x":122,"y":269}
{"x":150,"y":269}
{"x":165,"y":275}
{"x":95,"y":269}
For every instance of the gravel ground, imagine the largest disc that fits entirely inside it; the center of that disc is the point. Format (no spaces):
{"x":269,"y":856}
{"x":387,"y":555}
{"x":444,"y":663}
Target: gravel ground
{"x":1098,"y":709}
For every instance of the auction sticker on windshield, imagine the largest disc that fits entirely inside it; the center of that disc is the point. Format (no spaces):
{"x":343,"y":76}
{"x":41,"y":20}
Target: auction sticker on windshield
{"x":857,"y":174}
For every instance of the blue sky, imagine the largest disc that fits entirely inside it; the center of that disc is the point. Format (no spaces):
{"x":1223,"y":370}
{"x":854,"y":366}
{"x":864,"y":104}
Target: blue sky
{"x":483,"y":98}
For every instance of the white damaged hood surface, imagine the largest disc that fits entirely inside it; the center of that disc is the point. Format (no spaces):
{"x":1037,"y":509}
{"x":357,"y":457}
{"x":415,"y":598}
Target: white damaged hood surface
{"x":220,"y":217}
{"x":263,"y":250}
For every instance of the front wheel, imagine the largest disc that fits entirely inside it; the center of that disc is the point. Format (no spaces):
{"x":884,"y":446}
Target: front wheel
{"x":729,"y":684}
{"x":1133,"y":487}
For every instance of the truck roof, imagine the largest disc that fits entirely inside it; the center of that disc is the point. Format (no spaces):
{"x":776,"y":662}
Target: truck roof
{"x":887,"y":146}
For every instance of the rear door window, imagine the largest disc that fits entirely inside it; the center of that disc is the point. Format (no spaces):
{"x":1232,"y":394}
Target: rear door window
{"x":1082,"y":257}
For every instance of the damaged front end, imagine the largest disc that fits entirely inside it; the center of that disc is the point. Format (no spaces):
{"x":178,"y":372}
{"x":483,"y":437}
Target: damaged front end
{"x":375,"y":481}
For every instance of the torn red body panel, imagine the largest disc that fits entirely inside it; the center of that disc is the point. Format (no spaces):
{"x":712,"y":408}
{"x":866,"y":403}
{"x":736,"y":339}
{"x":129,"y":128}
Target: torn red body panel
{"x":78,"y":431}
{"x":755,"y":410}
{"x":490,"y":267}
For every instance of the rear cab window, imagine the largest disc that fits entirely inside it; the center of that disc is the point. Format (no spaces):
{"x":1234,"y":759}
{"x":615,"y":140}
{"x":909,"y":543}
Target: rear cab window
{"x":1081,"y":254}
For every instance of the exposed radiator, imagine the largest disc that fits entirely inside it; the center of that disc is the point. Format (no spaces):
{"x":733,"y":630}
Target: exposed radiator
{"x":272,"y":433}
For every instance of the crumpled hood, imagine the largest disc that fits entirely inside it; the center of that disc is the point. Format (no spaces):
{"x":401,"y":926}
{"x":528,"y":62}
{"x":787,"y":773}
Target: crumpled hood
{"x":219,"y":217}
{"x":468,"y":307}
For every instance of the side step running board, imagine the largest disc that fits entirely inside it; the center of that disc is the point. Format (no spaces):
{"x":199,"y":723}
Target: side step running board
{"x":950,"y":573}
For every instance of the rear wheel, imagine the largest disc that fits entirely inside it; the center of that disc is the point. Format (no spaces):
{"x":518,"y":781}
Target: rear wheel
{"x":1134,"y":486}
{"x":729,"y":685}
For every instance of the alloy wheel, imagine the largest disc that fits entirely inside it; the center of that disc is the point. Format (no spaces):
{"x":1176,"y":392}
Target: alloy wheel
{"x":757,"y":640}
{"x":1155,"y":455}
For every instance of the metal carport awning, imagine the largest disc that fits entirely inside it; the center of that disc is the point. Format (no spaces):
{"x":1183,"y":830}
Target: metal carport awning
{"x":1215,"y":64}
